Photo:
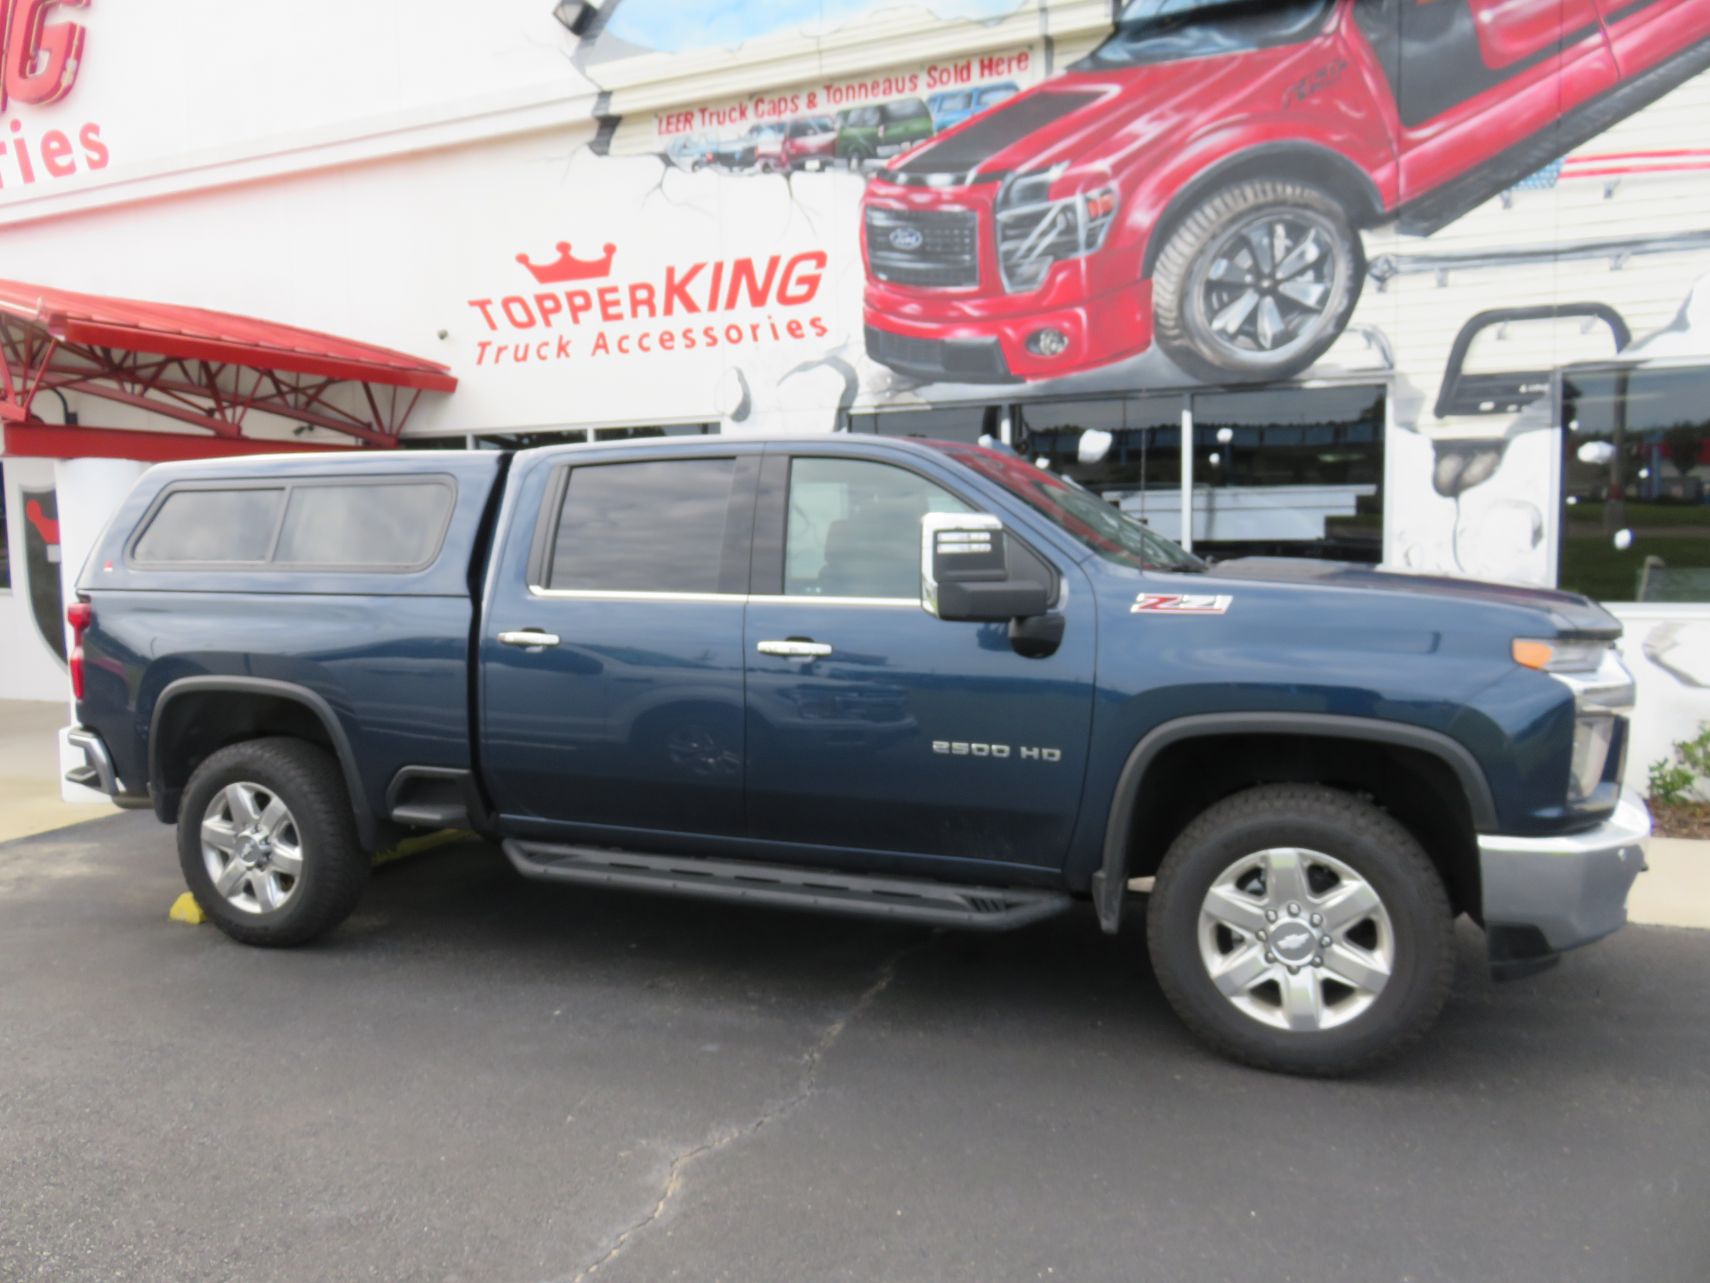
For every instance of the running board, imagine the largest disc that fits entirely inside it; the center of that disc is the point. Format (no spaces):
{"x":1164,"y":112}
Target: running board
{"x":943,"y":904}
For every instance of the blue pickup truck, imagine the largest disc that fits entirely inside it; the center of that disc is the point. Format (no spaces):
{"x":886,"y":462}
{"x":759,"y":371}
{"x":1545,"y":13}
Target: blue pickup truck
{"x":917,"y":681}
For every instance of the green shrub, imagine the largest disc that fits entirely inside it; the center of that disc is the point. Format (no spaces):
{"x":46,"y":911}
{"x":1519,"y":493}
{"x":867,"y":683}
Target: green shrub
{"x":1673,"y":780}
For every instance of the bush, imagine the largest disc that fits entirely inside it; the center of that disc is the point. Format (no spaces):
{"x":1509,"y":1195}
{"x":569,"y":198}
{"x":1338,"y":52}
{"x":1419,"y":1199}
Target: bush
{"x":1674,"y":780}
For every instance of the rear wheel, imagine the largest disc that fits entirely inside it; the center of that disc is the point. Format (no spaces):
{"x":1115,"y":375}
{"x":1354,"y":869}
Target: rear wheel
{"x":1297,"y":928}
{"x":1257,"y":282}
{"x":267,"y":842}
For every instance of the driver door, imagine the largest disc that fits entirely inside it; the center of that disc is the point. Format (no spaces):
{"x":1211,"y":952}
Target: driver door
{"x":873,"y":727}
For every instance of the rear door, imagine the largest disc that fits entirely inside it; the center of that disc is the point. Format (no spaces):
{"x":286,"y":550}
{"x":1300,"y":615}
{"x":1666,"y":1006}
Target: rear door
{"x":888,"y":730}
{"x":1644,"y":33}
{"x":611,"y":647}
{"x":1472,"y":78}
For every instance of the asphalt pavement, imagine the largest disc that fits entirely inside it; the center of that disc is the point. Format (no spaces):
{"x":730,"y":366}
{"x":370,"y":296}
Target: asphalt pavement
{"x":482,"y":1078}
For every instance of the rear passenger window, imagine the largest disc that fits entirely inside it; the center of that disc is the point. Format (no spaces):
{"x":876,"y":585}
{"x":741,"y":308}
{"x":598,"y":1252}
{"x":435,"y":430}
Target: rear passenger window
{"x":212,"y":526}
{"x":654,"y":526}
{"x":397,"y":525}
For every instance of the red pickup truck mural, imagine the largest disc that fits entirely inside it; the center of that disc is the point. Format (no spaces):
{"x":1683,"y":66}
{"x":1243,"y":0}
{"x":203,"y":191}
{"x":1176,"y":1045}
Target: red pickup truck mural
{"x":1199,"y":181}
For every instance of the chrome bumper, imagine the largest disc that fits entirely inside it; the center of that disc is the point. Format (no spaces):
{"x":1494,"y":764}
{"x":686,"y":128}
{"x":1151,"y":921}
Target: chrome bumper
{"x":97,"y":769}
{"x":1546,"y":895}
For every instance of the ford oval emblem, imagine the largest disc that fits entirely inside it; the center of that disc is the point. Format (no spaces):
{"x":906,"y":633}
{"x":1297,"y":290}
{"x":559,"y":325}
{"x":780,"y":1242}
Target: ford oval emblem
{"x":906,"y":238}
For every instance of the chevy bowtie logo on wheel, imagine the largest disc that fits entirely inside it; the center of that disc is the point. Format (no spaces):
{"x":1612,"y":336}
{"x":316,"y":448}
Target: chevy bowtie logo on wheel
{"x":906,"y":239}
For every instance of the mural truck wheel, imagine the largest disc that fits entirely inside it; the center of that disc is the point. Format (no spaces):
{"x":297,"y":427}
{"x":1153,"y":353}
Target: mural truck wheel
{"x":1258,"y":282}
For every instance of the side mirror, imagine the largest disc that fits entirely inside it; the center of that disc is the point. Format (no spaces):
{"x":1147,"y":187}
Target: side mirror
{"x":964,"y":571}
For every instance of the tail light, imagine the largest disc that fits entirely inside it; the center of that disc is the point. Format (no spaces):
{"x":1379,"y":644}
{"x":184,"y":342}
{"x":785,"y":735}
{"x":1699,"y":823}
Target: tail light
{"x":80,"y":614}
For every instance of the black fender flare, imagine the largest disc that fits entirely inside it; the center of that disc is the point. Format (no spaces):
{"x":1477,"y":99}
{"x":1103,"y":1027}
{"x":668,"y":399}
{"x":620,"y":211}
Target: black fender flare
{"x":1306,"y":162}
{"x":1110,"y":882}
{"x":164,"y":805}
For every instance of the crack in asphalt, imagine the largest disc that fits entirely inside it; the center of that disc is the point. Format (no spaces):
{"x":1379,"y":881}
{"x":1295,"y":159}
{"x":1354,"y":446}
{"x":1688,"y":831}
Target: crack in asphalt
{"x":811,"y":1060}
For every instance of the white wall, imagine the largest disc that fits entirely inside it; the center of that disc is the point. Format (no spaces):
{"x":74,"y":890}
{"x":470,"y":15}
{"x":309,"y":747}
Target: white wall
{"x":1668,"y":648}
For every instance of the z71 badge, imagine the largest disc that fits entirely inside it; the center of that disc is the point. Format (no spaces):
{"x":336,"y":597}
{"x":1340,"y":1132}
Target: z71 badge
{"x":1179,"y":604}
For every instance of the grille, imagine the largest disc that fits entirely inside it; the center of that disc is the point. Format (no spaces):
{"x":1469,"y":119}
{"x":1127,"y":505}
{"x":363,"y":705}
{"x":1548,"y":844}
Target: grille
{"x":938,"y":248}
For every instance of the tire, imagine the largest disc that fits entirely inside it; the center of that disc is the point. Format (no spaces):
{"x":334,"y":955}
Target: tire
{"x":1194,"y":282}
{"x":1363,"y":1016}
{"x":266,"y":903}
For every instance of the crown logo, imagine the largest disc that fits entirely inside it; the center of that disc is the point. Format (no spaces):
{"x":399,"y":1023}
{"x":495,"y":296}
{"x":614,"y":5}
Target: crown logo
{"x":567,"y":268}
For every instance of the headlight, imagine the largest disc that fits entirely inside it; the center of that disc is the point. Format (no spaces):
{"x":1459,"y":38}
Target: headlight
{"x":1603,"y":694}
{"x":1035,"y":231}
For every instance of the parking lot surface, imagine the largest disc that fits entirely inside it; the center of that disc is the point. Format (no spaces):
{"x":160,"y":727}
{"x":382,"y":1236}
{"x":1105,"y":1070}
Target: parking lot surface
{"x":486,"y":1079}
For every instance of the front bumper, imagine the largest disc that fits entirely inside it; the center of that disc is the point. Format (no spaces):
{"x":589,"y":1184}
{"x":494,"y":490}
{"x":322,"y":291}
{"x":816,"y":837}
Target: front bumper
{"x":1543,"y":896}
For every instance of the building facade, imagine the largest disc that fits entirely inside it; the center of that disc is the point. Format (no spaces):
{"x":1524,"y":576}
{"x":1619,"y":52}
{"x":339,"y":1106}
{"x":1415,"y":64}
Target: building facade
{"x":1423,"y":283}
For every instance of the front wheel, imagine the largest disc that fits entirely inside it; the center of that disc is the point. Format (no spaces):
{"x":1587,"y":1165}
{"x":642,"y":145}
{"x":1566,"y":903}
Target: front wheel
{"x":1301,"y":929}
{"x":1257,"y":282}
{"x":268,"y":844}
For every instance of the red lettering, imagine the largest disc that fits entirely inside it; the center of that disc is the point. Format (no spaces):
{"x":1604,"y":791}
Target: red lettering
{"x":742,"y":274}
{"x":56,"y":154}
{"x":623,"y":344}
{"x":668,"y":340}
{"x":601,"y":344}
{"x":550,"y":305}
{"x":563,"y":352}
{"x":677,"y":289}
{"x":40,"y":60}
{"x":795,"y":329}
{"x":580,"y":301}
{"x":517,"y":311}
{"x":610,"y":308}
{"x":641,"y":296}
{"x":94,"y":150}
{"x":802,"y":275}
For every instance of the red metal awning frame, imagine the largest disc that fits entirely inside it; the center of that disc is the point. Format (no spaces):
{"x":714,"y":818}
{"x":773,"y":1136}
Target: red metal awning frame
{"x":211,"y":370}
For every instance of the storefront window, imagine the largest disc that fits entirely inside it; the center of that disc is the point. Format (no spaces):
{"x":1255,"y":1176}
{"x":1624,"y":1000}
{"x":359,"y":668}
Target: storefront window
{"x":1290,"y":473}
{"x":1282,"y":472}
{"x":1636,"y":483}
{"x":966,"y":423}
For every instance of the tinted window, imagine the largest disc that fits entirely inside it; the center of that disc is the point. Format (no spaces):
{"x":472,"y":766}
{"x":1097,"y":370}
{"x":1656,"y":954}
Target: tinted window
{"x":854,"y":528}
{"x":863,"y":117}
{"x":364,"y":525}
{"x":1166,"y":30}
{"x":953,"y":102}
{"x":212,"y":526}
{"x":656,"y":526}
{"x":907,"y":109}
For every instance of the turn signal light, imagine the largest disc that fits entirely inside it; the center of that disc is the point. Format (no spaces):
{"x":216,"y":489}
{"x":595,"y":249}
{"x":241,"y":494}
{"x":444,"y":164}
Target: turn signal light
{"x":1100,"y":203}
{"x":80,"y":614}
{"x":1563,"y":655}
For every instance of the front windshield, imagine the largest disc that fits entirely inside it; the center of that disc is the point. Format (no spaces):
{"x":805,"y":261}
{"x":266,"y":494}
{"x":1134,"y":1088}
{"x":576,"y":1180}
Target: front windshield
{"x":1077,"y":511}
{"x":1167,"y":30}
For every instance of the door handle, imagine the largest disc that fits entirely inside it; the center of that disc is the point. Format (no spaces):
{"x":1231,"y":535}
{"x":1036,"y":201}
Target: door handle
{"x":533,"y":638}
{"x":794,"y":649}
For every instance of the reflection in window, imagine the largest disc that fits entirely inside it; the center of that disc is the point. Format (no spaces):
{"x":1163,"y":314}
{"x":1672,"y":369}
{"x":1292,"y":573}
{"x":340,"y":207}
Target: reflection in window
{"x":1282,"y":472}
{"x":854,"y":528}
{"x":965,"y":423}
{"x":1635,"y":477}
{"x":212,"y":526}
{"x":656,"y":526}
{"x":364,"y":525}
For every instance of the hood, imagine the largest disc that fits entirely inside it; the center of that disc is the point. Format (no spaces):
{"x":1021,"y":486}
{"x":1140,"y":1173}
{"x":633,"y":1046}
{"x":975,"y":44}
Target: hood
{"x":1568,"y":613}
{"x":1101,"y":117}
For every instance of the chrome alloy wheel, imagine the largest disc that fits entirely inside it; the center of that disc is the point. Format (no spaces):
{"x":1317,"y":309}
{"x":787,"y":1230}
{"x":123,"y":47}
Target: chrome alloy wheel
{"x":251,"y":847}
{"x":1264,"y":291}
{"x":1296,"y":939}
